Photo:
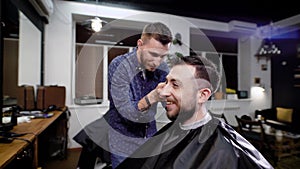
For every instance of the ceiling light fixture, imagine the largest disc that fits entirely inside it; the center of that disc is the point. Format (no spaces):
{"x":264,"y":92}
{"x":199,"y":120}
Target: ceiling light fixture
{"x":268,"y":48}
{"x":94,"y":24}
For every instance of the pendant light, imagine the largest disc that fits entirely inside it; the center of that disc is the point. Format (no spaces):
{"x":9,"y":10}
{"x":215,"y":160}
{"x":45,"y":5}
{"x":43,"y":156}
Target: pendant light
{"x":94,"y":24}
{"x":268,"y":48}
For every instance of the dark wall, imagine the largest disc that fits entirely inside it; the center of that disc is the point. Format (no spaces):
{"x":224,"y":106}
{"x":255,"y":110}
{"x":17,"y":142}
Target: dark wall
{"x":31,"y":13}
{"x":286,"y":89}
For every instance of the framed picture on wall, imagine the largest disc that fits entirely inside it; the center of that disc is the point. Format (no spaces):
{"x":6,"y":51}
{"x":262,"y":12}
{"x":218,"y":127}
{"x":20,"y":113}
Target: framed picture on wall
{"x":264,"y":67}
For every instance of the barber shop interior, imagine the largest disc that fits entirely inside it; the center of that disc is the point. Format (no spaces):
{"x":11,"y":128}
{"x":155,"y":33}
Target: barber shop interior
{"x":107,"y":84}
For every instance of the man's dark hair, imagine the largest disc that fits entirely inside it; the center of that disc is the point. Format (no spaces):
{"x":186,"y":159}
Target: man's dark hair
{"x":158,"y":31}
{"x":205,"y":69}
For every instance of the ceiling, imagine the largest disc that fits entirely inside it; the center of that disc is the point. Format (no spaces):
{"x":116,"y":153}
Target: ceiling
{"x":261,"y":12}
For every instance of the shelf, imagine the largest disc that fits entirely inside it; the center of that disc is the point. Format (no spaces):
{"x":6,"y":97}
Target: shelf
{"x":297,"y":76}
{"x":232,"y":100}
{"x":224,"y":108}
{"x":259,"y":57}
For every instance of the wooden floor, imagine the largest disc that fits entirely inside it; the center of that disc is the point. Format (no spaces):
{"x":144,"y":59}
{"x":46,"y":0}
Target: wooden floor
{"x":289,"y":163}
{"x":70,"y":162}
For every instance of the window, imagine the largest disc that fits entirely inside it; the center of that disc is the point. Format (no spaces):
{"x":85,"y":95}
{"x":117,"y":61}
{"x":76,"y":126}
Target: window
{"x":91,"y":67}
{"x":89,"y":71}
{"x":227,"y":64}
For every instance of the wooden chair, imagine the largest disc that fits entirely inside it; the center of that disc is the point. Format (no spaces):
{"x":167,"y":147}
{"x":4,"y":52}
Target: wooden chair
{"x":253,"y":131}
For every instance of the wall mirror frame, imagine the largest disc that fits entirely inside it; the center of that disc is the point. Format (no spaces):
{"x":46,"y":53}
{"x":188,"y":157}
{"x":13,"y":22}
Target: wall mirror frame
{"x":22,"y":48}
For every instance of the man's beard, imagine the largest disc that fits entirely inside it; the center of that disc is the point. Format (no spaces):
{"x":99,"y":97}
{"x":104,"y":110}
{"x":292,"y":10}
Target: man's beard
{"x":183,"y":115}
{"x":143,"y":62}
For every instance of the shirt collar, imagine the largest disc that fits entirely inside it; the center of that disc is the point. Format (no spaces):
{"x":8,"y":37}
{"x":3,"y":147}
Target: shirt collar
{"x":135,"y":61}
{"x":196,"y":124}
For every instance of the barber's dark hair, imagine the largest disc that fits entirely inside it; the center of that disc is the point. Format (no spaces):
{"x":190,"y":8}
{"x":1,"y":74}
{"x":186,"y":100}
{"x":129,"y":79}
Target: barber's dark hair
{"x":205,"y":69}
{"x":158,"y":31}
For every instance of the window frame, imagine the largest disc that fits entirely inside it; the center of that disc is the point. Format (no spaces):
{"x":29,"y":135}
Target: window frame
{"x":223,"y":84}
{"x":106,"y":48}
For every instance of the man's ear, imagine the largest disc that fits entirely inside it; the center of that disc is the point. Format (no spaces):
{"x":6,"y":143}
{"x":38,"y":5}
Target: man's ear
{"x":204,"y":95}
{"x":140,"y":42}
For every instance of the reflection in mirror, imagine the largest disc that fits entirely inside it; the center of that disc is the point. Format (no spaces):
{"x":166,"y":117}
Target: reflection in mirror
{"x":21,"y":60}
{"x":29,"y":52}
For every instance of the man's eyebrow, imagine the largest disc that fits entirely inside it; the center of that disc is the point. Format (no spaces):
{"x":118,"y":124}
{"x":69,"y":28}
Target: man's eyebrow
{"x":174,"y":80}
{"x":154,"y":53}
{"x":157,"y":54}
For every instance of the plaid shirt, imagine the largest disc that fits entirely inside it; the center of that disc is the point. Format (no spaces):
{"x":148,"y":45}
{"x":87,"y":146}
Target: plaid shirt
{"x":128,"y":83}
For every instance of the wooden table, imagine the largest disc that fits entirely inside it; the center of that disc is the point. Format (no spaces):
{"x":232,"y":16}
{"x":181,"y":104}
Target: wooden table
{"x":9,"y":151}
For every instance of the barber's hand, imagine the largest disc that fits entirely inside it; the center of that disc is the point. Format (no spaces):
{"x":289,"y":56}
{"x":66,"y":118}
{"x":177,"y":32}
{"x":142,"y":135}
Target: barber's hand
{"x":154,"y":95}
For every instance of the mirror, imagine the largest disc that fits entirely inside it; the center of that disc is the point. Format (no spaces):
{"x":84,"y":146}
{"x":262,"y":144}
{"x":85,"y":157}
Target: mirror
{"x":30,"y":39}
{"x":21,"y":56}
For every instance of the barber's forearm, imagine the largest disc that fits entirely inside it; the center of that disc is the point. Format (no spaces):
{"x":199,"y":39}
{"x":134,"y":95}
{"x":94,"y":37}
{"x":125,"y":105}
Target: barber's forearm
{"x":146,"y":102}
{"x":129,"y":110}
{"x":151,"y":98}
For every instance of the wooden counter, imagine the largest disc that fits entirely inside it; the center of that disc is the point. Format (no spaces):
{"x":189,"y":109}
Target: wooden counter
{"x":9,"y":151}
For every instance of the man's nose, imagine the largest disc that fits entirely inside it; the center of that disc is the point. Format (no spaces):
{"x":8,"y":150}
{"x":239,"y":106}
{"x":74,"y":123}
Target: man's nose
{"x":157,"y":61}
{"x":165,"y":91}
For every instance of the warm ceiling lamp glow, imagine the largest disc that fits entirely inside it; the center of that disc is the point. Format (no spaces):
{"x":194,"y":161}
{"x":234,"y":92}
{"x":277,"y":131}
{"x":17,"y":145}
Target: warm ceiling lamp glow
{"x":96,"y":24}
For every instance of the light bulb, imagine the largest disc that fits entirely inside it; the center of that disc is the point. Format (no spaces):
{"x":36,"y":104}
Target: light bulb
{"x":96,"y":24}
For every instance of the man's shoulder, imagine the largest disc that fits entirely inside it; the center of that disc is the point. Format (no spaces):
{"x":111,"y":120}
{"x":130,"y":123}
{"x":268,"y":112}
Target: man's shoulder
{"x":124,"y":59}
{"x":120,"y":58}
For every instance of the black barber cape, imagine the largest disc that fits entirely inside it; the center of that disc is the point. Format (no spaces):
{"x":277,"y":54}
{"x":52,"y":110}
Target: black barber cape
{"x":94,"y":138}
{"x":213,"y":146}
